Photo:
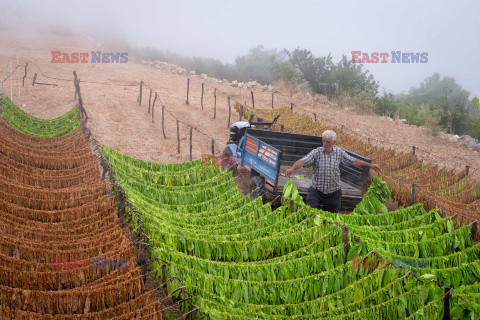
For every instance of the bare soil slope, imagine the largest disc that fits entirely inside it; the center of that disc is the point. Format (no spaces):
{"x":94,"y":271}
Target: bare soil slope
{"x":110,"y":94}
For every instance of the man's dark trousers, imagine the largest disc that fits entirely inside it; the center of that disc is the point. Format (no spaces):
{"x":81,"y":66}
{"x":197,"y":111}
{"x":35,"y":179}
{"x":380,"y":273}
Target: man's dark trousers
{"x":331,"y":201}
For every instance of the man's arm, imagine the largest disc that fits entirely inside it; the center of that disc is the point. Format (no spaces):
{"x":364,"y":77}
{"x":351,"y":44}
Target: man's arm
{"x":296,"y":165}
{"x":361,"y":163}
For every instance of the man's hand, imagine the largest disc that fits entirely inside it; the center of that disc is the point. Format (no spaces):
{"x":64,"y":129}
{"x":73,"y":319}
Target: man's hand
{"x":289,"y":172}
{"x":296,"y":165}
{"x":375,"y":167}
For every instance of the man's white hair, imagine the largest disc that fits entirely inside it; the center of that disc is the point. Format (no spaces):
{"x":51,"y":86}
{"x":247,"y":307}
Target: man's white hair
{"x":329,"y":134}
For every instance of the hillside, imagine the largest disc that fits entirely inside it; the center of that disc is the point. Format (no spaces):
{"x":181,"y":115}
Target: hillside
{"x":110,"y":92}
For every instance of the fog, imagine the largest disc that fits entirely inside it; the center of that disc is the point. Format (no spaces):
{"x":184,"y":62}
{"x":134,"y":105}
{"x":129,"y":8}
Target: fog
{"x":446,"y":30}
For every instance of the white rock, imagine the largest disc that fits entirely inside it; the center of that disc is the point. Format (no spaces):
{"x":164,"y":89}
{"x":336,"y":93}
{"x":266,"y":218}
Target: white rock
{"x":192,"y":73}
{"x":468,"y":141}
{"x":224,"y":80}
{"x":404,"y":121}
{"x":234,"y":83}
{"x":454,"y":138}
{"x":204,"y":76}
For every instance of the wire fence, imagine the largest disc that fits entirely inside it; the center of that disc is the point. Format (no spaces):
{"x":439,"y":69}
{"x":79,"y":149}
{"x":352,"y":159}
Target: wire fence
{"x":127,"y":211}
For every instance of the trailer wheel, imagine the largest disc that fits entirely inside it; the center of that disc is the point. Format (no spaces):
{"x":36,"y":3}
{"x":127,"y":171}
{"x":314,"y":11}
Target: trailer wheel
{"x":256,"y":187}
{"x":227,"y":161}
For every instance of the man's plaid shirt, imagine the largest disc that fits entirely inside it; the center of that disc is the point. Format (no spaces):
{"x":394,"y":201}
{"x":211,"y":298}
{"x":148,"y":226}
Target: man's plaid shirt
{"x":326,"y":167}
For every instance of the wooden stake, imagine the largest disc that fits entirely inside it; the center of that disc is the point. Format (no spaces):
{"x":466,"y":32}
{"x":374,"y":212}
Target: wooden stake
{"x":140,"y":97}
{"x":446,"y":303}
{"x":149,"y":100}
{"x":345,"y":230}
{"x":215,"y":104}
{"x":229,"y":112}
{"x":213,"y":146}
{"x":272,"y":100}
{"x":178,"y":137}
{"x":188,"y":88}
{"x":253,"y":100}
{"x":413,"y":149}
{"x":25,"y":75}
{"x":467,"y":168}
{"x":34,"y":79}
{"x":291,"y":106}
{"x":18,"y":76}
{"x":473,"y":229}
{"x":201,"y":100}
{"x":241,"y":112}
{"x":413,"y":194}
{"x":11,"y":81}
{"x":163,"y":122}
{"x":75,"y":83}
{"x":191,"y":131}
{"x":153,"y":105}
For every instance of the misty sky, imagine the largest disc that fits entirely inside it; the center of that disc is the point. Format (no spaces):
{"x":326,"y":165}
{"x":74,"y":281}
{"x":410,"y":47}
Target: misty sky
{"x":226,"y":29}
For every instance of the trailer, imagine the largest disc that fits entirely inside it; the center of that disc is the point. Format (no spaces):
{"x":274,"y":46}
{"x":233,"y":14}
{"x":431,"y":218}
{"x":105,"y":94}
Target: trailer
{"x":268,"y":154}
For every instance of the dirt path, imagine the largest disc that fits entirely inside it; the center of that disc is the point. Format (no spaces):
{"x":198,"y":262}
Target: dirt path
{"x":117,"y":120}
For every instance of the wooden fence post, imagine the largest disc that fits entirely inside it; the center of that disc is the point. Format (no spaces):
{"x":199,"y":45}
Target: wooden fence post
{"x":178,"y":137}
{"x":229,"y":112}
{"x":11,"y":81}
{"x":34,"y":79}
{"x":281,"y":127}
{"x":215,"y":103}
{"x":241,"y":112}
{"x":341,"y":129}
{"x":253,"y":100}
{"x":213,"y":146}
{"x":140,"y":97}
{"x":188,"y":88}
{"x":149,"y":100}
{"x":25,"y":75}
{"x":163,"y":122}
{"x":446,"y":303}
{"x":467,"y":169}
{"x":291,"y":106}
{"x":413,"y":150}
{"x":345,"y":242}
{"x":473,"y":229}
{"x":18,"y":76}
{"x":75,"y":83}
{"x":272,"y":100}
{"x":315,"y":117}
{"x":153,"y":104}
{"x":201,"y":100}
{"x":413,"y":194}
{"x":191,"y":131}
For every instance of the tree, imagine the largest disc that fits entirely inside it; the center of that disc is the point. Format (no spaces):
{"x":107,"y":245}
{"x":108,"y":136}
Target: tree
{"x":316,"y":72}
{"x":350,"y":78}
{"x":386,"y":105}
{"x":258,"y":63}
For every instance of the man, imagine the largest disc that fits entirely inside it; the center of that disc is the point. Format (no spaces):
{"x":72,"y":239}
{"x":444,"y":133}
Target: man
{"x":326,"y":161}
